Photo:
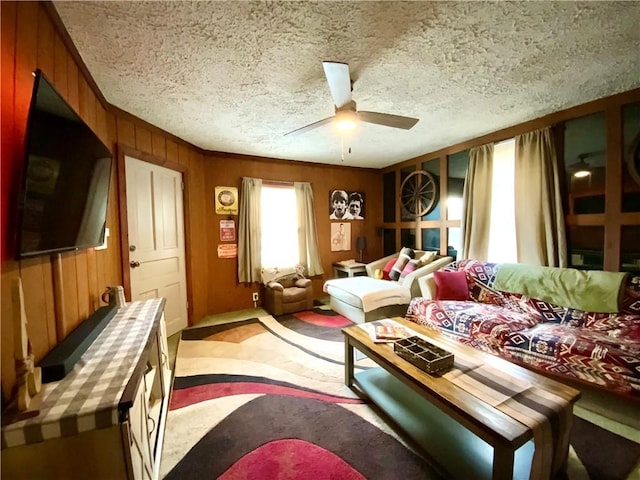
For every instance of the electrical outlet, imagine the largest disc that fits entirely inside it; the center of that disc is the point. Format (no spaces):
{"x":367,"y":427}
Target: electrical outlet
{"x":255,"y":296}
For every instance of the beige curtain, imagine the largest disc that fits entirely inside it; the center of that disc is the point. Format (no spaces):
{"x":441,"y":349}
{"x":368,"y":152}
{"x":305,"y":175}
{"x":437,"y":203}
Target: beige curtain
{"x":540,"y":232}
{"x":250,"y":231}
{"x":476,"y":203}
{"x":307,"y":233}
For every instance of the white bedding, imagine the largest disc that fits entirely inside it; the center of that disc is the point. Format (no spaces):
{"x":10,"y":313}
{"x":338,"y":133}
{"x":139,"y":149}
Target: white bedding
{"x":372,"y":292}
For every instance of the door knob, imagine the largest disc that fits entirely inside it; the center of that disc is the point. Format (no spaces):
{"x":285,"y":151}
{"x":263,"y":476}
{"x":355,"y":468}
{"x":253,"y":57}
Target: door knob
{"x":134,"y":264}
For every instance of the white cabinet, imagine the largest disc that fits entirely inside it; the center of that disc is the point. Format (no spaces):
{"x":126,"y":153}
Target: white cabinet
{"x":121,"y":438}
{"x":136,"y":434}
{"x":147,"y":416}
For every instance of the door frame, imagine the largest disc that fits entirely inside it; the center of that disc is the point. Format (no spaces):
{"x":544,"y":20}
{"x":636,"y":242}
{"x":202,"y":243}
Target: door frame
{"x":125,"y":150}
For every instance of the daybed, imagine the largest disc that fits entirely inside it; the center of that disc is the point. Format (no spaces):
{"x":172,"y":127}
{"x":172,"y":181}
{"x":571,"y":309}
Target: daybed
{"x":584,"y":325}
{"x":363,"y":299}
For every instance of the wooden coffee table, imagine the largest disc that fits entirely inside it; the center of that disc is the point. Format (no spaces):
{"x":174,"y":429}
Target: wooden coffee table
{"x":466,"y":433}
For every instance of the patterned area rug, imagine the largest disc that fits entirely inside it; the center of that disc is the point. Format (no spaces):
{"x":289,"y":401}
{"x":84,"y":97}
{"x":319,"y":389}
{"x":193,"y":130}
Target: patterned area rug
{"x":265,"y":398}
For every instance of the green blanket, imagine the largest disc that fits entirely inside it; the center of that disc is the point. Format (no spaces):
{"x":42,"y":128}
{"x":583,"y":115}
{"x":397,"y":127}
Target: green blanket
{"x":586,"y":290}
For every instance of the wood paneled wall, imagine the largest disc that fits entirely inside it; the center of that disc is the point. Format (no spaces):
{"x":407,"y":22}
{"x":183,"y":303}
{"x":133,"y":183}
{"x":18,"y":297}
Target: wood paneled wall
{"x":61,"y":291}
{"x":224,"y":292}
{"x":31,"y":40}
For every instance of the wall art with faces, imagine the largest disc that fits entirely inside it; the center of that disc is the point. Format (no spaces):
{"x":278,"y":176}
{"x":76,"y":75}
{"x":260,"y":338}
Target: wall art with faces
{"x":346,"y":205}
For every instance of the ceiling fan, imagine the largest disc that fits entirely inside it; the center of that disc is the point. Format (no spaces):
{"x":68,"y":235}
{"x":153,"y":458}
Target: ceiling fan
{"x":347,"y":116}
{"x":582,"y":168}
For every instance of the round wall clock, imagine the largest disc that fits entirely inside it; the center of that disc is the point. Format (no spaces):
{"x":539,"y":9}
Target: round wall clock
{"x":418,"y":193}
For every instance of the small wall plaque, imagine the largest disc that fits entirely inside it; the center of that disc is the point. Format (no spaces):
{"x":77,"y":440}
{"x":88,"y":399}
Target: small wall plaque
{"x":227,"y":250}
{"x":227,"y":231}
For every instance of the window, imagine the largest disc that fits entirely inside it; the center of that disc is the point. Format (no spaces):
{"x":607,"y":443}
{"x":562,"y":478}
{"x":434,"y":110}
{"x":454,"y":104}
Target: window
{"x":458,"y":163}
{"x":279,"y":227}
{"x":502,"y":230}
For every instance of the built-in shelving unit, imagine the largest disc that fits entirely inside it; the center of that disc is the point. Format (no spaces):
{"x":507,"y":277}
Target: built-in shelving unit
{"x":602,"y":210}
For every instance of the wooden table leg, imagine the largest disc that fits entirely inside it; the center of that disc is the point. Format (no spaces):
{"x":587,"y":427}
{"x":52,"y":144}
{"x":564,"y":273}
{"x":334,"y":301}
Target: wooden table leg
{"x":502,"y":463}
{"x":348,"y":362}
{"x":561,"y":452}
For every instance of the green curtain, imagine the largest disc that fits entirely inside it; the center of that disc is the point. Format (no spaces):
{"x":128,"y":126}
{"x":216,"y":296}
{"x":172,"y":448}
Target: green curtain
{"x":307,"y":232}
{"x":476,"y":203}
{"x":540,"y":231}
{"x":250,"y":231}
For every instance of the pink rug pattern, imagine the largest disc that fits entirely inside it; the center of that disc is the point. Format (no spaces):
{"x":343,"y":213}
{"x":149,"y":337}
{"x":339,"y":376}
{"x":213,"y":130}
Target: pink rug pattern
{"x":265,"y":399}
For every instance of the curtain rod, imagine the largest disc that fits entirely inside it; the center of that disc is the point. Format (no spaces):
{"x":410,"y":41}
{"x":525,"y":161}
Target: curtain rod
{"x":277,"y":182}
{"x":512,"y":139}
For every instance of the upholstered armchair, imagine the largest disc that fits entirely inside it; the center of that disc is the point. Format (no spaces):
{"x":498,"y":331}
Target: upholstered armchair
{"x":288,"y":294}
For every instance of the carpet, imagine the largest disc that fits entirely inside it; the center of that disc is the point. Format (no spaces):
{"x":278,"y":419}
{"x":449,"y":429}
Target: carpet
{"x":265,"y":398}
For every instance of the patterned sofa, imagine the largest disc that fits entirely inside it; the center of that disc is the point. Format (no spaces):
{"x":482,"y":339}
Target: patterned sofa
{"x":588,"y":346}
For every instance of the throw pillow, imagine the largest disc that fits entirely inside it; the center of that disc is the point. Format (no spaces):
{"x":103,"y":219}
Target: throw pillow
{"x":412,"y":266}
{"x":387,"y":269}
{"x":451,"y":285}
{"x":427,"y":257}
{"x":406,"y":254}
{"x":482,"y":293}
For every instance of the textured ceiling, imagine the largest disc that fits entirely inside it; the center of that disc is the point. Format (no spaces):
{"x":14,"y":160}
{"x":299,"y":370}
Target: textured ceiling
{"x":236,"y":76}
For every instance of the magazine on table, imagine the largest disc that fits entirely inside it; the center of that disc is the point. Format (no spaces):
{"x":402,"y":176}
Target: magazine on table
{"x":385,"y":330}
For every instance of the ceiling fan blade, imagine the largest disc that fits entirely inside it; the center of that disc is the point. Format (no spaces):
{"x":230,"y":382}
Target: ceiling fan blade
{"x":339,"y":82}
{"x":388,"y":120}
{"x":311,"y":126}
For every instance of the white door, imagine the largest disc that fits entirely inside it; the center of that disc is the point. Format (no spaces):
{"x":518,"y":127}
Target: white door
{"x":156,"y":238}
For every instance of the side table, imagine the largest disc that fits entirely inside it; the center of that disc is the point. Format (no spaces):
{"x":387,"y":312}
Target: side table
{"x":350,"y":270}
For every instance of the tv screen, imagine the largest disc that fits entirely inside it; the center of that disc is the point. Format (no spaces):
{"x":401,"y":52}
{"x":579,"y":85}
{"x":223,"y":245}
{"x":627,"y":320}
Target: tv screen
{"x":63,"y":201}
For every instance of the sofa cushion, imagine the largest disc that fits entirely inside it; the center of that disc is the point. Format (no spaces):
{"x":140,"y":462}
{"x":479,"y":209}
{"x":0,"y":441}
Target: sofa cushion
{"x":294,"y":294}
{"x":451,"y":285}
{"x":484,"y":272}
{"x":482,"y":293}
{"x":617,"y":326}
{"x":367,"y":293}
{"x":487,"y":324}
{"x":387,"y":269}
{"x":405,"y":255}
{"x":601,"y":357}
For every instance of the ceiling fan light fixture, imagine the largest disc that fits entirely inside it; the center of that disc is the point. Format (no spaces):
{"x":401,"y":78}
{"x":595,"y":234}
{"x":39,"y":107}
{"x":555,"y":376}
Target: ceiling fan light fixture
{"x":582,"y":173}
{"x":582,"y":168}
{"x":346,"y":120}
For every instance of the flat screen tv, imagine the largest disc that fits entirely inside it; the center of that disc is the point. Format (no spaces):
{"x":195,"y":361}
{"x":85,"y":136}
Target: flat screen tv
{"x":65,"y":186}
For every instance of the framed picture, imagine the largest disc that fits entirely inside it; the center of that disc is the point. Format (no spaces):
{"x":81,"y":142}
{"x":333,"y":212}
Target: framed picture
{"x":226,"y":200}
{"x":340,"y":236}
{"x":345,"y":205}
